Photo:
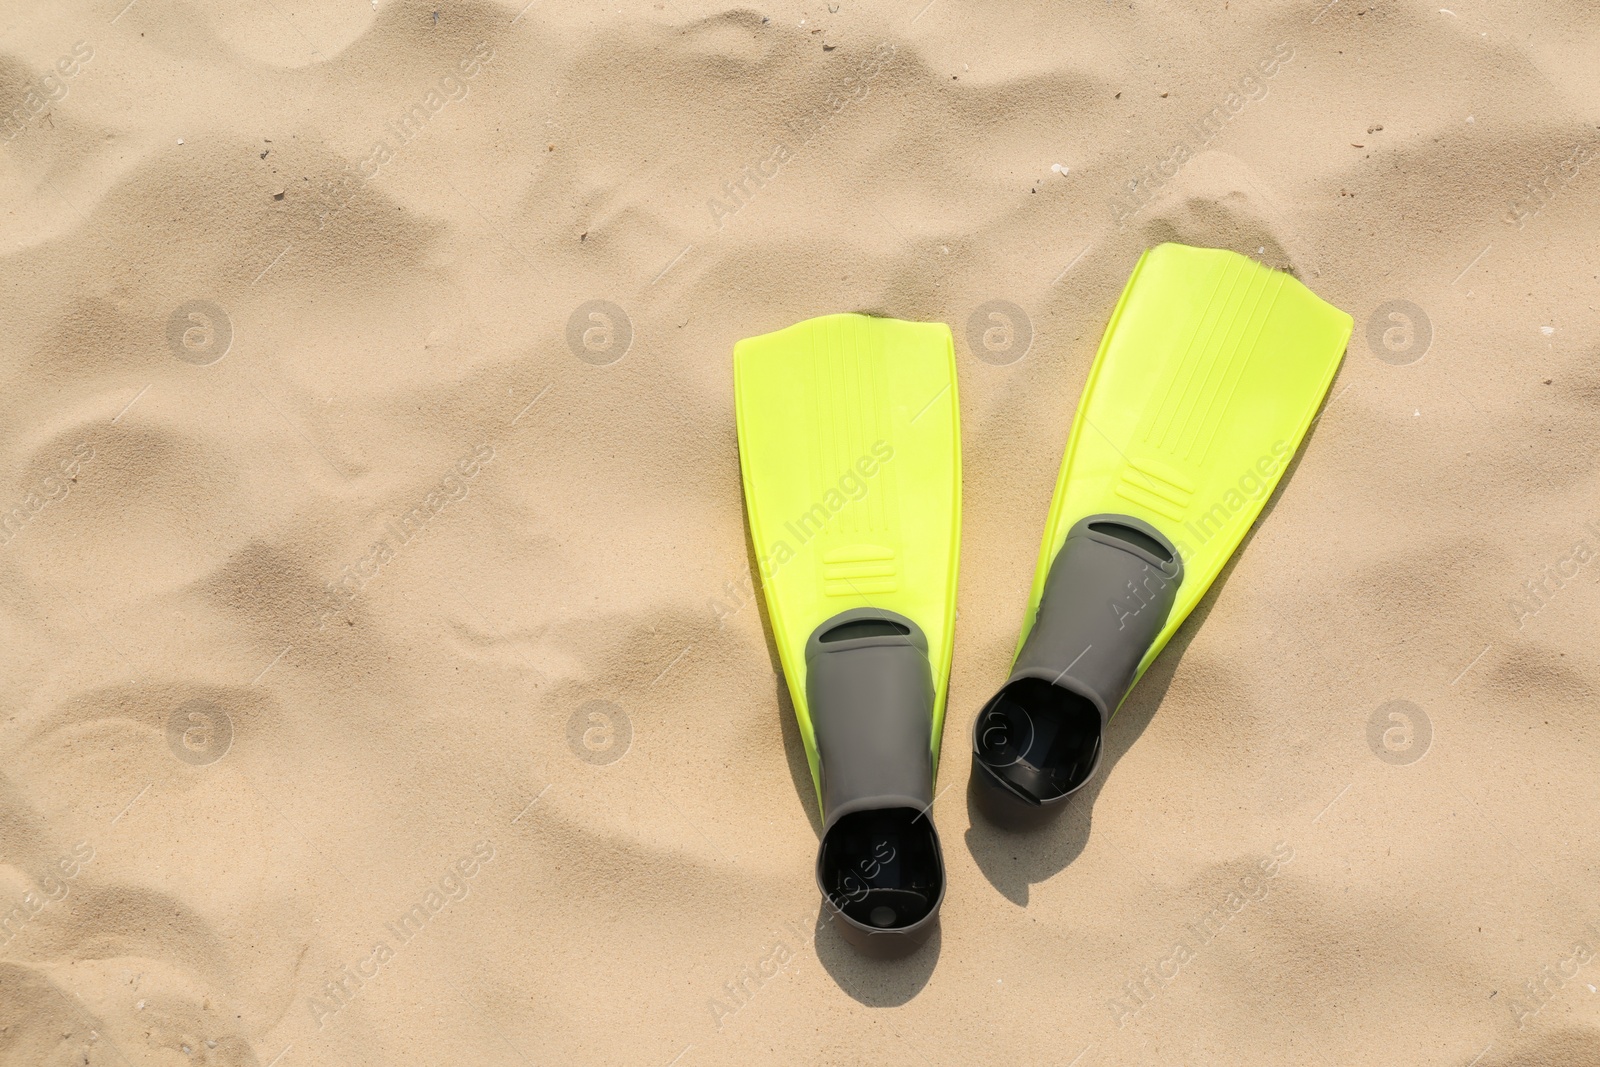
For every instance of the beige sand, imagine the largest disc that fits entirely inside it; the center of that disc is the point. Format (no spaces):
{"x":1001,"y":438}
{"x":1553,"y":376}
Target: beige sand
{"x":419,"y":601}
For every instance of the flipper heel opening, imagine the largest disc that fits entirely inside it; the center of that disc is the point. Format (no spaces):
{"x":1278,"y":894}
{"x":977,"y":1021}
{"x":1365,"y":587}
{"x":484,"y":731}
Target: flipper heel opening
{"x":1038,"y":740}
{"x":881,"y":868}
{"x":1107,"y":596}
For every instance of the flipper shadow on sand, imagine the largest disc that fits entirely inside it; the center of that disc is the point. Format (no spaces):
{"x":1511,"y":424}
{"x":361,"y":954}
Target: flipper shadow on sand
{"x":876,"y":983}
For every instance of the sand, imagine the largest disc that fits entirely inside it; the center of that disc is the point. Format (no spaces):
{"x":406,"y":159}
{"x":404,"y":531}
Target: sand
{"x":385,"y":679}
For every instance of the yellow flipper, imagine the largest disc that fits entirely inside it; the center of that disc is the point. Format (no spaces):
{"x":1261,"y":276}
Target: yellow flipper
{"x":1207,"y":378}
{"x":1210,"y":372}
{"x":849,"y":446}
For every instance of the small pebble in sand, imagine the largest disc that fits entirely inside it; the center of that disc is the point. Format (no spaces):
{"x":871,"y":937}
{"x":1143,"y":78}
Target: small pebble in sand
{"x":1548,"y":331}
{"x":180,"y":140}
{"x":1057,"y":168}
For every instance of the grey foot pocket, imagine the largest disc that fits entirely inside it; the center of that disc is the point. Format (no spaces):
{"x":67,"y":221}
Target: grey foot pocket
{"x":1108,"y":594}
